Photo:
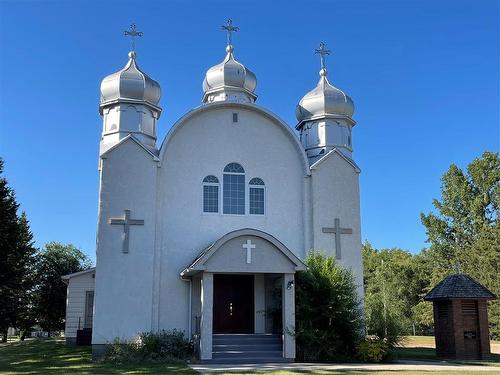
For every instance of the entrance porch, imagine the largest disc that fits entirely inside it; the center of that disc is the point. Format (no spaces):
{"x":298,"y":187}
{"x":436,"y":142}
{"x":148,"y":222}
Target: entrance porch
{"x":243,"y":302}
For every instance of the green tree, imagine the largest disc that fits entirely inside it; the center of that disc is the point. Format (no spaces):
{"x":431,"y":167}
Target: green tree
{"x":56,"y":260}
{"x":328,"y":314}
{"x":17,"y":261}
{"x":464,"y":232}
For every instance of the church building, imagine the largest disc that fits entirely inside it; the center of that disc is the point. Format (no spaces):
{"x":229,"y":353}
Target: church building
{"x":205,"y":230}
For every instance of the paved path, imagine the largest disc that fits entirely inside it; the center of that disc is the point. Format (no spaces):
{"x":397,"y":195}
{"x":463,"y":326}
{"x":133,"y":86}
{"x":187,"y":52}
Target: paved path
{"x":402,"y":365}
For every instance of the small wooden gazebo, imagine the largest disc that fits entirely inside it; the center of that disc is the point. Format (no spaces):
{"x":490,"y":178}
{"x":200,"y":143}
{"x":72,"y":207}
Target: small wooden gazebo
{"x":461,"y":318}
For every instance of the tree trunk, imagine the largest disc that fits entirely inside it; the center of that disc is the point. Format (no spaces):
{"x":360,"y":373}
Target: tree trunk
{"x":4,"y":335}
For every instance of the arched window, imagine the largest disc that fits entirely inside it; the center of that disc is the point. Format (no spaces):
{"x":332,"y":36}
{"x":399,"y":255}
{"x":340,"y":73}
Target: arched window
{"x":257,"y":196}
{"x":233,"y":199}
{"x":211,"y":194}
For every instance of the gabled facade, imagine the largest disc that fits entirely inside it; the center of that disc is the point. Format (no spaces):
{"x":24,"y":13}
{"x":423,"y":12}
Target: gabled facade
{"x":206,"y":232}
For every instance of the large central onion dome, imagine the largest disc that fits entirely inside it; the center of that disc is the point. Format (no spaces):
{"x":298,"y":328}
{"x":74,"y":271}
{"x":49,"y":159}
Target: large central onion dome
{"x":130,"y":85}
{"x":323,"y":101}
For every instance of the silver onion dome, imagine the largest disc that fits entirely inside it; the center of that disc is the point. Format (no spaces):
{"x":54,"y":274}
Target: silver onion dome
{"x":229,"y":78}
{"x":325,"y":99}
{"x":130,"y":84}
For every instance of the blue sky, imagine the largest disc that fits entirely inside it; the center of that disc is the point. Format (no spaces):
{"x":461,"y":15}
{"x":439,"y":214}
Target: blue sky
{"x":424,"y":76}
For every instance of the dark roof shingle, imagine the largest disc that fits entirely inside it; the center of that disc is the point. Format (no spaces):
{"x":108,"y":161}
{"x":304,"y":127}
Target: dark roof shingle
{"x":458,"y":286}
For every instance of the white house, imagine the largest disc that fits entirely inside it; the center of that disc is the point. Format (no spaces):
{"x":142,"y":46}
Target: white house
{"x":79,"y":303}
{"x":205,"y":231}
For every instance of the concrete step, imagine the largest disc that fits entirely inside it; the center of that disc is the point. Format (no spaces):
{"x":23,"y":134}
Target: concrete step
{"x":246,"y":339}
{"x":247,"y":347}
{"x":246,"y":335}
{"x":248,"y":354}
{"x":246,"y":361}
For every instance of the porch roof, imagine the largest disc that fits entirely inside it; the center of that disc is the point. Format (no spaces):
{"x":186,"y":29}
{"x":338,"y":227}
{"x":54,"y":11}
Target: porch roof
{"x":198,"y":264}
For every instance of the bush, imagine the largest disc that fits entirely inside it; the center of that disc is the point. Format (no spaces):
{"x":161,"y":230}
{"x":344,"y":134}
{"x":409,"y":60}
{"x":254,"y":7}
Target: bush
{"x":165,"y":345}
{"x":373,"y":349}
{"x":328,"y":314}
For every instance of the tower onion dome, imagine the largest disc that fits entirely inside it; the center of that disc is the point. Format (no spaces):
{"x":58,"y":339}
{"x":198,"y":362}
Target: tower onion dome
{"x":130,"y":85}
{"x":229,"y":76}
{"x":324,"y":100}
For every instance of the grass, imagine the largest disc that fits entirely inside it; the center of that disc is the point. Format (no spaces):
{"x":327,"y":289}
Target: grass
{"x":423,"y":348}
{"x":54,"y":357}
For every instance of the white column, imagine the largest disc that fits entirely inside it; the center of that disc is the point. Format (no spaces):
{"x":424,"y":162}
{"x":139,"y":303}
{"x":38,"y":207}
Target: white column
{"x":207,"y":295}
{"x":260,"y":303}
{"x":288,"y":307}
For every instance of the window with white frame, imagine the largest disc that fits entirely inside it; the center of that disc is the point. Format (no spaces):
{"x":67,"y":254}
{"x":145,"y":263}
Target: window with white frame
{"x":257,"y":196}
{"x":211,"y":194}
{"x":233,"y":196}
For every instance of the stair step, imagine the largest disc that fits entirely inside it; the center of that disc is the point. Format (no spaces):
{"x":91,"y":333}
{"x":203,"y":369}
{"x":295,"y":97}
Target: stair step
{"x":247,"y":336}
{"x":246,"y":361}
{"x":256,"y":354}
{"x":247,"y":347}
{"x":251,"y":339}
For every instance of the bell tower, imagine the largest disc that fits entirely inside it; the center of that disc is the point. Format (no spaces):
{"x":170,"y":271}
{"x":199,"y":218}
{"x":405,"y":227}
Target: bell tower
{"x":325,"y":116}
{"x":129,"y":103}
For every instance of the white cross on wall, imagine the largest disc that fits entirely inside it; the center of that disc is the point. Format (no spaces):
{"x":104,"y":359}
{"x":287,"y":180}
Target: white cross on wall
{"x":248,"y":246}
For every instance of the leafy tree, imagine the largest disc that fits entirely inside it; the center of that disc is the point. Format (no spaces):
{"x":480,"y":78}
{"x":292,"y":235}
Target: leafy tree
{"x":56,"y":260}
{"x":395,"y":281}
{"x":328,"y":314}
{"x":464,"y":232}
{"x":17,"y":260}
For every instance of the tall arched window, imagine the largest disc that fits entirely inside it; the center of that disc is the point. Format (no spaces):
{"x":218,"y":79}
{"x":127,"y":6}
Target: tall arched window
{"x":211,"y":194}
{"x":233,"y":199}
{"x":257,"y":196}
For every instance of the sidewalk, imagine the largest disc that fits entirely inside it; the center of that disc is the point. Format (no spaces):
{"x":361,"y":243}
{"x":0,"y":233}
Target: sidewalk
{"x":401,"y":365}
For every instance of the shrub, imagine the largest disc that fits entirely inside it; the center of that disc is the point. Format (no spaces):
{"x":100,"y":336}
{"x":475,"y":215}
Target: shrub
{"x":165,"y":345}
{"x":328,"y":314}
{"x":372,"y":349}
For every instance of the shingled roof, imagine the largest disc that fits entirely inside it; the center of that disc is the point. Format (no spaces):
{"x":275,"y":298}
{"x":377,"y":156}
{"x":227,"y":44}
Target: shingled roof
{"x":459,"y":286}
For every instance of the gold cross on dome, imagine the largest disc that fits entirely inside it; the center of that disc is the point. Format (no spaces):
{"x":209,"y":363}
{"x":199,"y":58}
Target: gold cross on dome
{"x":230,"y":29}
{"x":133,"y":33}
{"x":322,"y":51}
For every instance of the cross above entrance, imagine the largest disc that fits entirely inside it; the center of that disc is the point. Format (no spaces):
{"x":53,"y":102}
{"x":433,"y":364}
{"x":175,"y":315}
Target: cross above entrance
{"x":126,"y":222}
{"x":248,"y":246}
{"x":337,"y":230}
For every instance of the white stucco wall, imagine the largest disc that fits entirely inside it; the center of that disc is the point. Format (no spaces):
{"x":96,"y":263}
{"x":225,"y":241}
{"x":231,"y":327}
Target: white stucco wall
{"x":335,"y":194}
{"x":203,"y":144}
{"x":124,"y":281}
{"x":142,"y":290}
{"x":78,"y":286}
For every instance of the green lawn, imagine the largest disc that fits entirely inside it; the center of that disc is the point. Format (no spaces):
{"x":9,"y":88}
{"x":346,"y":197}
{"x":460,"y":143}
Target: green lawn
{"x":422,"y":348}
{"x":54,"y":357}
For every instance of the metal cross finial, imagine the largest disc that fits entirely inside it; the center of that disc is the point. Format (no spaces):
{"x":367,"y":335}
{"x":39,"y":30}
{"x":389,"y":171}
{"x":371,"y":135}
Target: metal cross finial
{"x":230,"y":29}
{"x":133,"y":33}
{"x":322,"y":51}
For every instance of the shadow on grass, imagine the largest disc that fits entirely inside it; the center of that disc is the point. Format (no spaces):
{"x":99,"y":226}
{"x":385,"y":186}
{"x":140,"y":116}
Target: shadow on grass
{"x":54,"y":357}
{"x":429,"y":354}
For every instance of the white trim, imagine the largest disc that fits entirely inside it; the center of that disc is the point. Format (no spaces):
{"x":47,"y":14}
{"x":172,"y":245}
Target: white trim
{"x":67,"y":277}
{"x":336,"y":151}
{"x":135,"y":140}
{"x":203,"y":184}
{"x":265,"y":197}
